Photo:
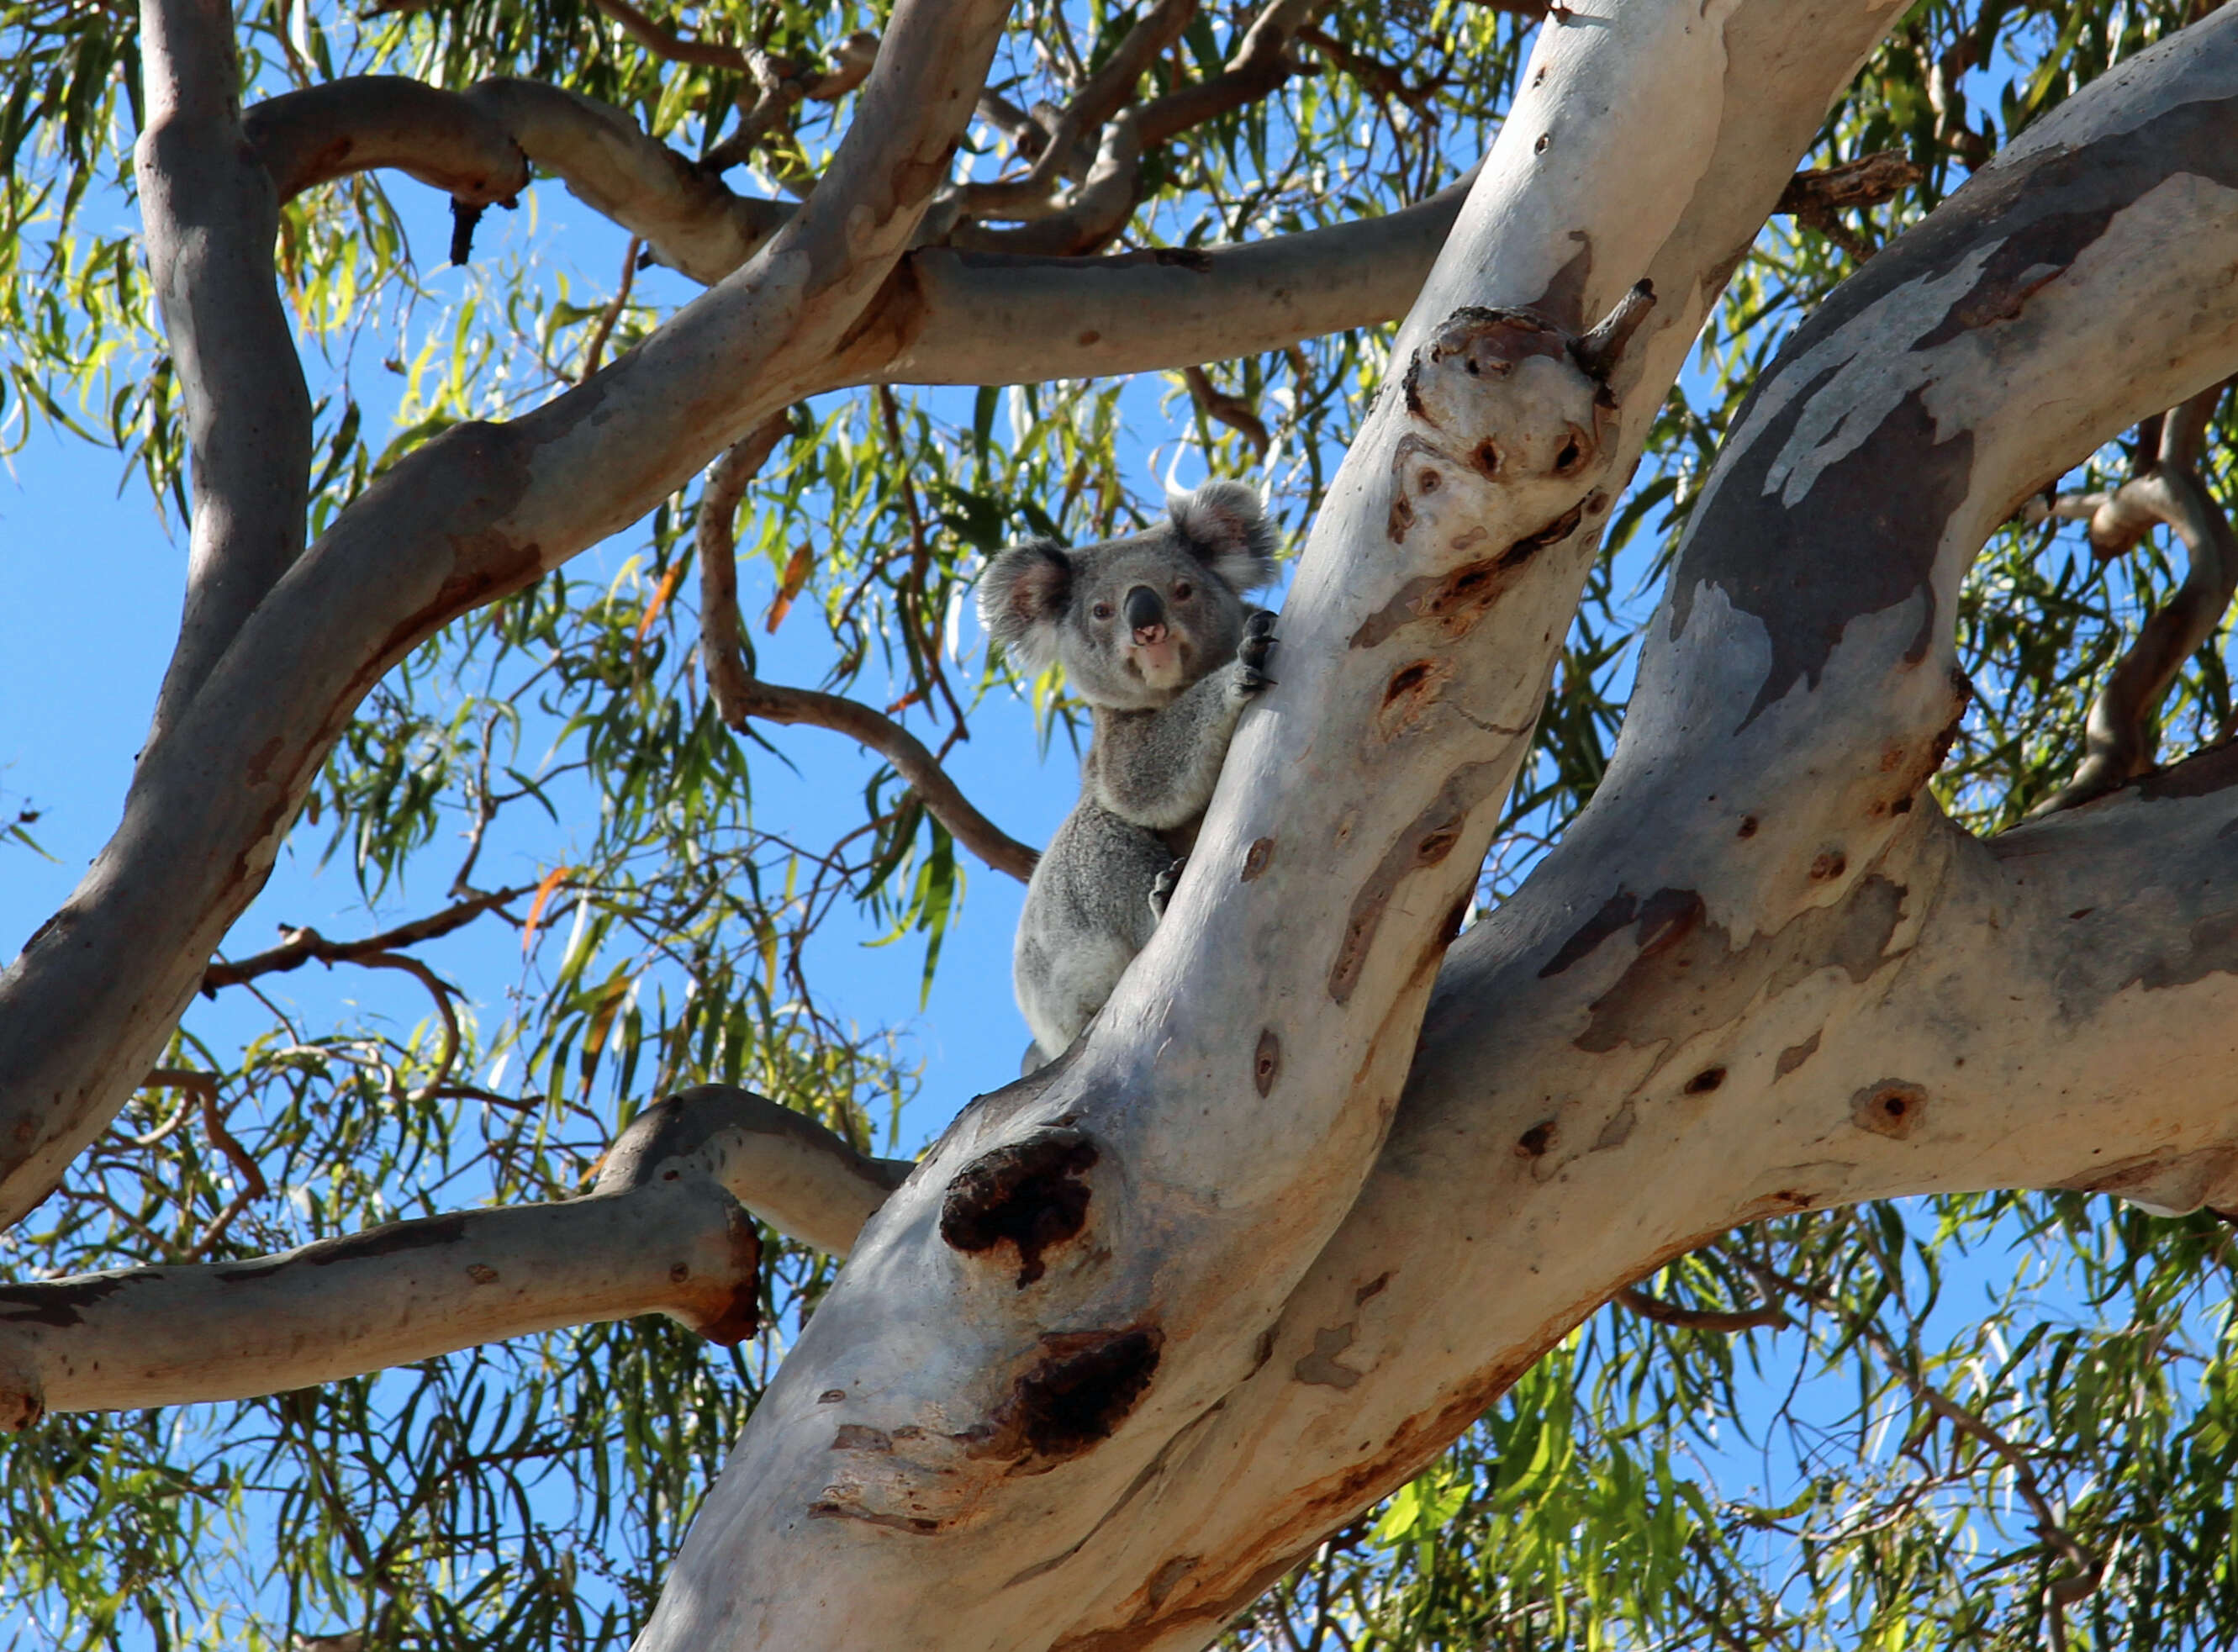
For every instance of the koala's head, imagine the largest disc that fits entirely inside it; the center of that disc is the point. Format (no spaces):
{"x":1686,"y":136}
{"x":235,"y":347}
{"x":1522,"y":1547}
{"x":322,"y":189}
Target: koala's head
{"x":1134,"y":622}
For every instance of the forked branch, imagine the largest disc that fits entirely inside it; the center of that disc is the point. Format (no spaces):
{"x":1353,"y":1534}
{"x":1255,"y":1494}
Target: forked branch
{"x":2119,"y":733}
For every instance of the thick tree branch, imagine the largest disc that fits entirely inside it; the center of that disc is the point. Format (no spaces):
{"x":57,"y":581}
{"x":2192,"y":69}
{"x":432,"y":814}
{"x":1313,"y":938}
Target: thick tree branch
{"x":446,"y":141}
{"x":740,"y":696}
{"x":210,"y":217}
{"x":1760,"y":974}
{"x":171,"y":1335}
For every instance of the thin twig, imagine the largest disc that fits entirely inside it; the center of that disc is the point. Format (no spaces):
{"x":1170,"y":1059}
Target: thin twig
{"x":612,"y":313}
{"x":307,"y":945}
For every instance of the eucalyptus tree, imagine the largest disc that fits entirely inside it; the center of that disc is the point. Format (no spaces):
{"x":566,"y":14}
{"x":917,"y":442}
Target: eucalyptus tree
{"x":1269,"y":1312}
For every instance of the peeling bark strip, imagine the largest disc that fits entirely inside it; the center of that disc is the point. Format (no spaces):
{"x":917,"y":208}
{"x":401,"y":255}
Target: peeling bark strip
{"x":1770,"y":527}
{"x":1029,"y":1194}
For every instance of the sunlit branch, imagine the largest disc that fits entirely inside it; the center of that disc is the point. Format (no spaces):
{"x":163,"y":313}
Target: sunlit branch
{"x":172,"y":1334}
{"x":210,"y":216}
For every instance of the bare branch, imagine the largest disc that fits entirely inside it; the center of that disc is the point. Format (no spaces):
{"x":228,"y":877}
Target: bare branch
{"x":1865,"y":182}
{"x":445,"y":139}
{"x":210,"y":215}
{"x":1082,"y":220}
{"x":170,"y":1335}
{"x":476,"y":512}
{"x":305,"y":945}
{"x":664,"y":42}
{"x":789,"y":1170}
{"x":2118,"y":734}
{"x":596,"y":349}
{"x":1231,"y":411}
{"x":740,"y":696}
{"x":1670,"y":1313}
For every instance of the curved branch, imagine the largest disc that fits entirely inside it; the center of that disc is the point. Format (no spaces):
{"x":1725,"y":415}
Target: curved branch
{"x":210,"y":216}
{"x":448,"y":142}
{"x":478,"y":512}
{"x":1085,"y":218}
{"x":2118,"y":733}
{"x":783,"y":1166}
{"x":740,"y":696}
{"x":173,"y":1335}
{"x":1638,"y":1301}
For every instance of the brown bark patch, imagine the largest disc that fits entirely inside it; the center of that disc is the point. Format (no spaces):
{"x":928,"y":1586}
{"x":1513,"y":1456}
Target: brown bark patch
{"x":1534,"y":1142}
{"x":1082,"y":1388}
{"x":1255,"y":858}
{"x":1026,"y":1194}
{"x":1320,"y":1366}
{"x":861,"y":1437}
{"x":1794,"y":1056}
{"x":1707,"y":1080}
{"x":1267,"y":1062}
{"x":1892,"y":1107}
{"x":1407,"y":698}
{"x":726,"y":1309}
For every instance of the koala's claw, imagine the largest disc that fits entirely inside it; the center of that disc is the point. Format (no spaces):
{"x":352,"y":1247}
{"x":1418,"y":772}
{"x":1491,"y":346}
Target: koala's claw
{"x":1162,"y":890}
{"x":1257,"y":648}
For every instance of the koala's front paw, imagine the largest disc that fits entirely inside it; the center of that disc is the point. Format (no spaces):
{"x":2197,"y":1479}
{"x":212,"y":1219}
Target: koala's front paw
{"x":1257,"y":648}
{"x":1162,"y":890}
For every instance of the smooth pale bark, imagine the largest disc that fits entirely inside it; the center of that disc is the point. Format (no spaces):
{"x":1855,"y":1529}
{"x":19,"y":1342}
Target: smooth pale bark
{"x":477,"y":512}
{"x":209,"y":215}
{"x":167,"y":1336}
{"x":962,"y":1417}
{"x":1761,"y":973}
{"x":667,"y":1231}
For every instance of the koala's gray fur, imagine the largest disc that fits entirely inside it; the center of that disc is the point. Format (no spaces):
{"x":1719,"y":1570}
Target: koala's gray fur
{"x":1153,"y":633}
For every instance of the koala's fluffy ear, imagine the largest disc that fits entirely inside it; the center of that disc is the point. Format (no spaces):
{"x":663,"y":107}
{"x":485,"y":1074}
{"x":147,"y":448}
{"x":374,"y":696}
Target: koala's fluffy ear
{"x":1224,"y":524}
{"x":1023,"y":595}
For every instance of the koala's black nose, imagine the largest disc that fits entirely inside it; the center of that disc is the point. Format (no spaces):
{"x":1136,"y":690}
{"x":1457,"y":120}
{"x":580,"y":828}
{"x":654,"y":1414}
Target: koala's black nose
{"x":1144,"y":613}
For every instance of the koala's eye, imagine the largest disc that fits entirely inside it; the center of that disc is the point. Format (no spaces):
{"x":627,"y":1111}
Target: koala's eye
{"x":1183,"y":591}
{"x":1104,"y":611}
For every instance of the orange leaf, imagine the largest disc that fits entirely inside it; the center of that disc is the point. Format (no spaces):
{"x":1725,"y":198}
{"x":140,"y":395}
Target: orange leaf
{"x":550,"y":883}
{"x":796,"y":575}
{"x":660,"y":596}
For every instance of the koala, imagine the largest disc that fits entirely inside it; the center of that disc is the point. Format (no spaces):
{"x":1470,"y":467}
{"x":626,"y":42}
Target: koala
{"x":1154,"y":634}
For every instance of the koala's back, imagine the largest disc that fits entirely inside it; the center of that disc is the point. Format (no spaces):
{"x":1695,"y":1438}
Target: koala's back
{"x":1087,"y":914}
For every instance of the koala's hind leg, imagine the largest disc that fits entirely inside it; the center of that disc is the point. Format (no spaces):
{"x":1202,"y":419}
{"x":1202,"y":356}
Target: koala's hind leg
{"x":1087,"y":914}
